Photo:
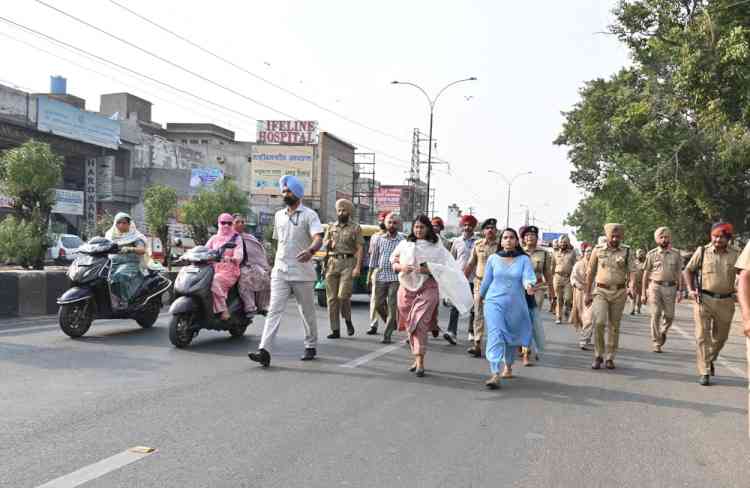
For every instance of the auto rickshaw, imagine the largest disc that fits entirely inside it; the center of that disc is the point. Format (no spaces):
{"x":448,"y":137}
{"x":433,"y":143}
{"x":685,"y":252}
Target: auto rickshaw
{"x":360,"y":283}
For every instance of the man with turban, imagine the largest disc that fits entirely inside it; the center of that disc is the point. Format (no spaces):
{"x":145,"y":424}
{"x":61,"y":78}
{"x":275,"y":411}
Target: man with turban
{"x":640,"y":259}
{"x":661,"y":285}
{"x":299,"y":235}
{"x":461,"y":249}
{"x":344,"y":243}
{"x":713,"y":269}
{"x":565,"y":259}
{"x":610,"y":279}
{"x":480,"y":254}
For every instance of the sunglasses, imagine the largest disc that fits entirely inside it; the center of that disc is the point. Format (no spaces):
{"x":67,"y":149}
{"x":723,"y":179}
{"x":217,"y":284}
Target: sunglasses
{"x":226,"y":223}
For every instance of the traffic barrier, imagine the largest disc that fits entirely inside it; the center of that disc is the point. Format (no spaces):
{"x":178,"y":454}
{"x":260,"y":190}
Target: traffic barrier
{"x":32,"y":293}
{"x":57,"y":283}
{"x":8,"y":294}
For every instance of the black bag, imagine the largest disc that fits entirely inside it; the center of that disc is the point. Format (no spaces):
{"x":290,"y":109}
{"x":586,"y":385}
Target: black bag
{"x":530,"y":300}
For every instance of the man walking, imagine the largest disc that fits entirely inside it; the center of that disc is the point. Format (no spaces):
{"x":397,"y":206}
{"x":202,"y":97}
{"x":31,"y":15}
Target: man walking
{"x":344,"y":243}
{"x":461,"y":249}
{"x":609,"y":281}
{"x":543,"y":263}
{"x":386,"y":281}
{"x":299,"y":235}
{"x":580,"y":316}
{"x":637,"y":301}
{"x":371,"y":277}
{"x":565,"y":259}
{"x":712,"y":268}
{"x":661,"y":285}
{"x":483,"y":249}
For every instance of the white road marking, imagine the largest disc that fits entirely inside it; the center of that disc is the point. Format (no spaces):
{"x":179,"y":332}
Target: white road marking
{"x":98,"y":469}
{"x":733,"y":369}
{"x":369,"y":357}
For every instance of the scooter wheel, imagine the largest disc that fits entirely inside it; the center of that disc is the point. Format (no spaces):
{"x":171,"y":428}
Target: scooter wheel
{"x":75,"y":318}
{"x":148,"y":316}
{"x":180,"y":334}
{"x":238,"y":330}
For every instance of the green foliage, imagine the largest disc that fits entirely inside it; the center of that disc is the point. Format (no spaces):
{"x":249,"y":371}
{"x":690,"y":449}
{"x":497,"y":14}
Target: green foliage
{"x":203,"y":210}
{"x":28,"y":174}
{"x":20,"y":242}
{"x":667,"y":140}
{"x":160,"y":204}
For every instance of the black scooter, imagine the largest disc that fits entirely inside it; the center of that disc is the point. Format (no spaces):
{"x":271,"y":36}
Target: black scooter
{"x":193,"y":308}
{"x":91,"y":297}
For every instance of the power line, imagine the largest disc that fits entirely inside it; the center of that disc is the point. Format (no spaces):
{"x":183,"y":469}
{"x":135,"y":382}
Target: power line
{"x":255,"y":75}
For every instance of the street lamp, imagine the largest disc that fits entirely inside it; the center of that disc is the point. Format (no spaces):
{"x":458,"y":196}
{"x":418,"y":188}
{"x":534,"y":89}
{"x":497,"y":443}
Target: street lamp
{"x":508,"y":182}
{"x":432,"y":102}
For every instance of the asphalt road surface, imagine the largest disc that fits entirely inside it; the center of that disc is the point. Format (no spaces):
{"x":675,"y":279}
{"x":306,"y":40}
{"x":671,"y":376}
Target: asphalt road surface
{"x":71,"y":410}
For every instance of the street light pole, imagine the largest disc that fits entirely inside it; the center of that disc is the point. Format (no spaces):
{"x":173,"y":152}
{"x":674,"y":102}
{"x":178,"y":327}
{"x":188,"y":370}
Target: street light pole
{"x":431,"y":102}
{"x":510,"y":184}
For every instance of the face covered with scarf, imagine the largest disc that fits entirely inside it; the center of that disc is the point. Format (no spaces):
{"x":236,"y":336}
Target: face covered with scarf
{"x":123,"y":230}
{"x":226,"y":232}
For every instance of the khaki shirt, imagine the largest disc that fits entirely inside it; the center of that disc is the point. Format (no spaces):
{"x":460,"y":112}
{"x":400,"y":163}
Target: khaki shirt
{"x":743,"y":262}
{"x":663,"y":265}
{"x":611,"y":267}
{"x":717,"y":273}
{"x":343,"y":238}
{"x":564,"y":262}
{"x":481,"y":253}
{"x":578,"y":276}
{"x":542,"y":261}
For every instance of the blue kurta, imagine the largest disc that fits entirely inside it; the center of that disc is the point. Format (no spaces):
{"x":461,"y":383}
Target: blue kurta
{"x":506,"y":314}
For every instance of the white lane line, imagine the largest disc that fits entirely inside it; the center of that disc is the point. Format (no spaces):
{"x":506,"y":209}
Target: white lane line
{"x":99,"y":469}
{"x":721,"y":361}
{"x":369,"y":357}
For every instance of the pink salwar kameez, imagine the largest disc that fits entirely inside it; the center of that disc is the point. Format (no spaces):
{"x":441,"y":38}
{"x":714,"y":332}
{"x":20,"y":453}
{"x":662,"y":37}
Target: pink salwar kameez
{"x":416,"y":310}
{"x":227,"y":271}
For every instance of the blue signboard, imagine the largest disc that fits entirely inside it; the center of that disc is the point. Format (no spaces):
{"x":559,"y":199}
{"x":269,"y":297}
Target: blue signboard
{"x":205,"y":176}
{"x":68,"y":121}
{"x":551,"y":236}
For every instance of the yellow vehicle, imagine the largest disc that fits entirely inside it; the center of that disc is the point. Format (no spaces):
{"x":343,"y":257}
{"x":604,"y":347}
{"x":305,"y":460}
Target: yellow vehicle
{"x":360,"y":284}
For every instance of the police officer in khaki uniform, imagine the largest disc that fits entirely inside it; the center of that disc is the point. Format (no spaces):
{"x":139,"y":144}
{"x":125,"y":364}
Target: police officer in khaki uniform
{"x":344,"y":243}
{"x":610,"y":279}
{"x":743,"y":295}
{"x":483,"y":249}
{"x":541,"y":260}
{"x":712,"y":268}
{"x":636,"y":301}
{"x":565,"y":259}
{"x":661,"y":285}
{"x":553,"y":299}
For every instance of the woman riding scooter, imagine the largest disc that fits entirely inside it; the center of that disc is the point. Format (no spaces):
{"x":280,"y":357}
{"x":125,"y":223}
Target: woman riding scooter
{"x":227,"y":271}
{"x":128,"y":266}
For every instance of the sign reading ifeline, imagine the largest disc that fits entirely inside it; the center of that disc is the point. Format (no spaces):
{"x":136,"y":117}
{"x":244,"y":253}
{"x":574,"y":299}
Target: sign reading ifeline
{"x":287,"y":132}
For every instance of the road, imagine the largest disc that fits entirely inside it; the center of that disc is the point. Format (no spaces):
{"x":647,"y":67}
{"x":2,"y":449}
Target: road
{"x":217,"y":420}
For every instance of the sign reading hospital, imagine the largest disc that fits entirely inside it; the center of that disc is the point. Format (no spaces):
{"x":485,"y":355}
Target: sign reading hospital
{"x":67,"y":121}
{"x":287,"y":132}
{"x":270,"y":162}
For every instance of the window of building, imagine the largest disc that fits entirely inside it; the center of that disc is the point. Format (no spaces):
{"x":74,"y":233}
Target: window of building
{"x":193,"y":141}
{"x":204,"y":141}
{"x":122,"y":164}
{"x":184,"y":141}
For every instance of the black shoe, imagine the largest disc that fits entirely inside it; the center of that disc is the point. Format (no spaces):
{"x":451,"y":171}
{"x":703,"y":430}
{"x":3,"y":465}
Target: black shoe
{"x":372,"y":330}
{"x":262,"y":356}
{"x":609,"y":364}
{"x":419,"y":372}
{"x":262,"y":312}
{"x":597,"y":364}
{"x":386,"y":340}
{"x":435,"y":332}
{"x":475,"y":351}
{"x":250,"y":315}
{"x":334,"y":335}
{"x":449,"y":337}
{"x":704,"y":380}
{"x":349,"y":328}
{"x":711,"y":369}
{"x":309,"y":354}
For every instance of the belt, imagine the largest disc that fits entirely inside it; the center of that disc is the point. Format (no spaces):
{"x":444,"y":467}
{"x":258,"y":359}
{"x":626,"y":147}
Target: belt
{"x":664,"y":283}
{"x":562,"y":274}
{"x":717,"y":295}
{"x":342,"y":255}
{"x":610,"y":287}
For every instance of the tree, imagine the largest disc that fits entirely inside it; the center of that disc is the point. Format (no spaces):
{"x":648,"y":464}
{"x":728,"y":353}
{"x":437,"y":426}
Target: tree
{"x":28,"y":175}
{"x":19,"y":242}
{"x":667,"y":140}
{"x":160,"y":203}
{"x":202,"y":211}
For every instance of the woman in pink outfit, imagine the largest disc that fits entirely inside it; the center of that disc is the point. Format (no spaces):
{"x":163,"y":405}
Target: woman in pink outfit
{"x":226,"y":271}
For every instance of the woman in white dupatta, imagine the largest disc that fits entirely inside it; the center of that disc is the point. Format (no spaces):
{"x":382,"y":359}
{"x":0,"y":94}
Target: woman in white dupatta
{"x":427,"y":273}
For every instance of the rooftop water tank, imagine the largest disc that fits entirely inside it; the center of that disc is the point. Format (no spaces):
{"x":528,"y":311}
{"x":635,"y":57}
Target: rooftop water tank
{"x":58,"y":85}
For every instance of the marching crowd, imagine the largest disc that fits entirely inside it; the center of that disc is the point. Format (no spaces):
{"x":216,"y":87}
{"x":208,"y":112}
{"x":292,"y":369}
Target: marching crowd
{"x":500,"y":281}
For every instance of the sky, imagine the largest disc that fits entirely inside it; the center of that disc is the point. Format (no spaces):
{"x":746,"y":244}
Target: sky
{"x":530,"y":58}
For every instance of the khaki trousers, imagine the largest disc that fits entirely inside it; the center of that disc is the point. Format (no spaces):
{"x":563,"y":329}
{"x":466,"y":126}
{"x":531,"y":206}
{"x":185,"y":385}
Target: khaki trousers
{"x":661,"y":301}
{"x":713,"y":321}
{"x":339,"y":290}
{"x":564,"y":294}
{"x":478,"y":313}
{"x":607,"y":313}
{"x":387,"y":305}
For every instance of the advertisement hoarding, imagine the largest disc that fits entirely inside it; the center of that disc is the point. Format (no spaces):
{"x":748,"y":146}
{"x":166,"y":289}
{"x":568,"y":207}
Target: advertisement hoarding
{"x":67,"y":121}
{"x":270,"y":162}
{"x":202,"y":177}
{"x":388,"y":199}
{"x":69,"y":202}
{"x":287,"y":132}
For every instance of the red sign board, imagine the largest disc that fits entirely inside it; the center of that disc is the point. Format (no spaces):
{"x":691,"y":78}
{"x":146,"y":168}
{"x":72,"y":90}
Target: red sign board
{"x":388,"y":199}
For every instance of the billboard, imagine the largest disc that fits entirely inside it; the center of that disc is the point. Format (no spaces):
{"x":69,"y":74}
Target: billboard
{"x":202,"y":177}
{"x":270,"y":162}
{"x":67,"y":121}
{"x":68,"y":202}
{"x":388,"y":199}
{"x":287,"y":132}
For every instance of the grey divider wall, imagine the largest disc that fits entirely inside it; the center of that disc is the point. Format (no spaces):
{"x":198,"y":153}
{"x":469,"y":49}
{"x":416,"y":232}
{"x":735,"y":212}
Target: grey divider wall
{"x":32,"y":293}
{"x":57,"y":283}
{"x":8,"y":294}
